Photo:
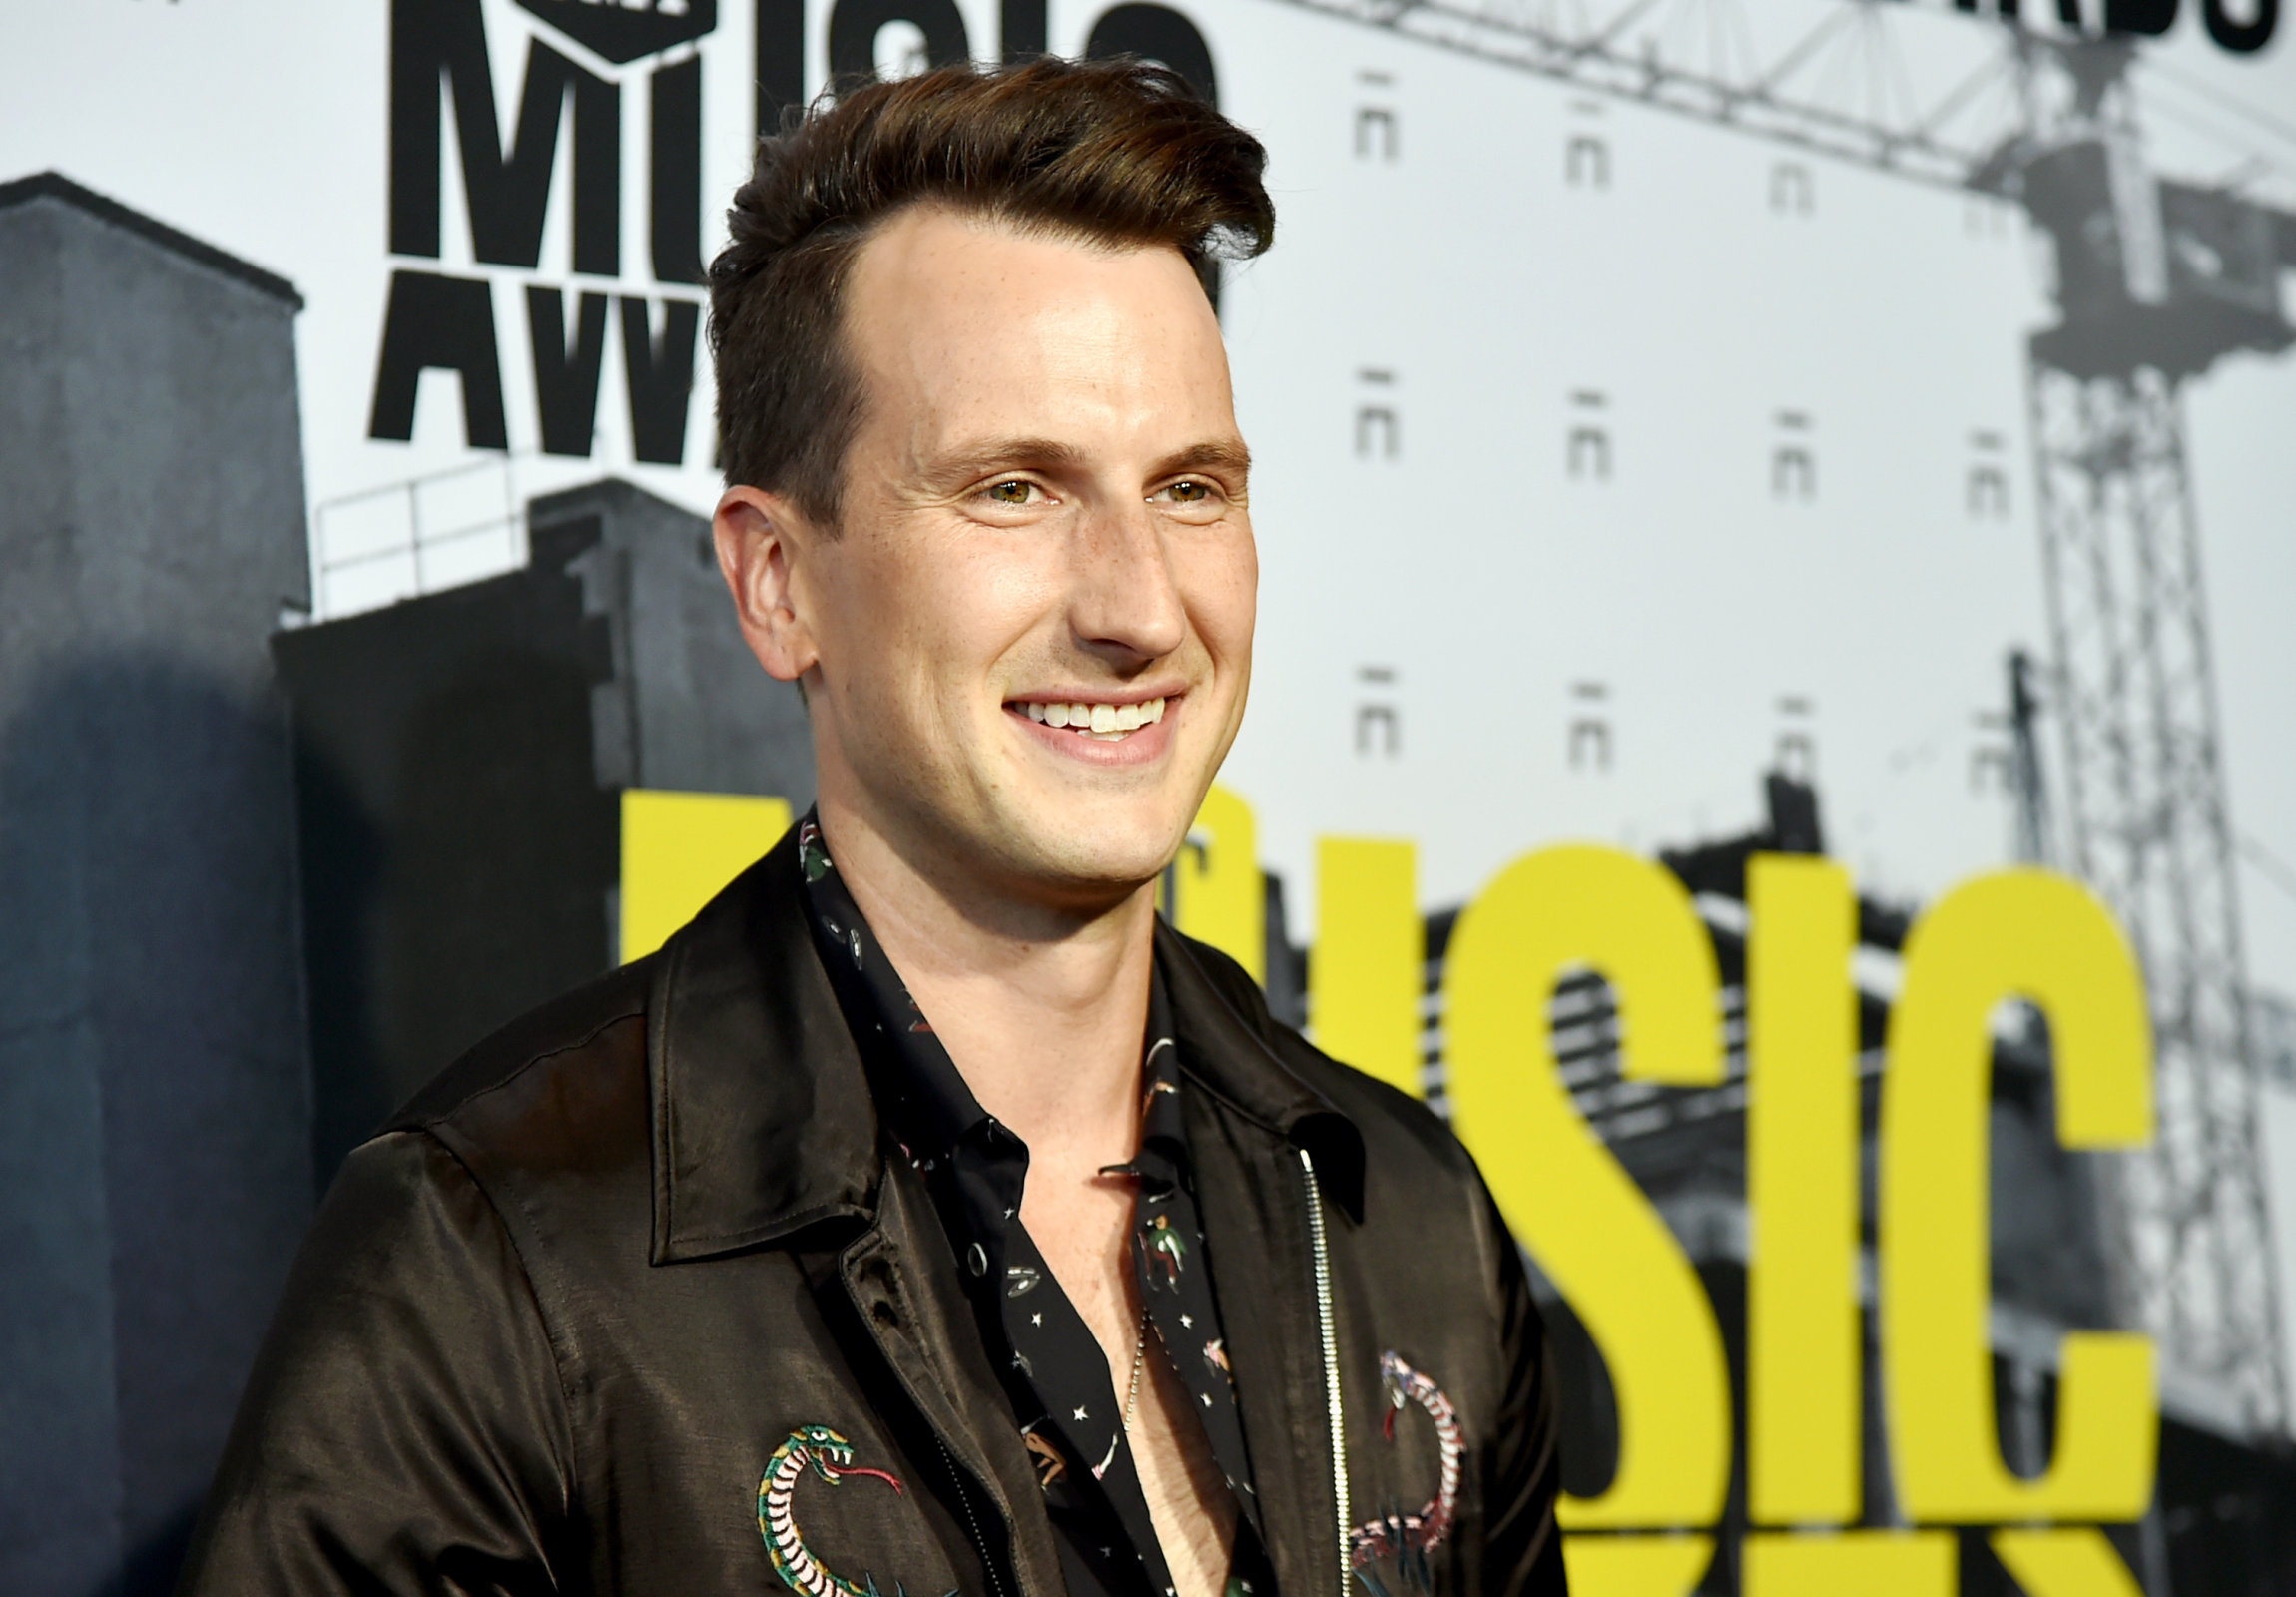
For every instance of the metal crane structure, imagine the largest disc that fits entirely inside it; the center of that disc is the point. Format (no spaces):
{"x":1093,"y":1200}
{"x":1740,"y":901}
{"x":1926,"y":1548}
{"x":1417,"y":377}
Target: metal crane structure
{"x":2156,"y":280}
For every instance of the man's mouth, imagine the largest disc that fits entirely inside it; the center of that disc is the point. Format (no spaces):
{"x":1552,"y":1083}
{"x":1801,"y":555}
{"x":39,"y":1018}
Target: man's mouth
{"x":1109,"y":723}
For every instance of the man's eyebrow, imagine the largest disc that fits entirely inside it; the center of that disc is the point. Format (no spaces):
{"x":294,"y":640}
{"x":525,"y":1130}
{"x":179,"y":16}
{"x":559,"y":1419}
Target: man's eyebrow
{"x":983,"y":458}
{"x":1222,"y":454}
{"x":971,"y":462}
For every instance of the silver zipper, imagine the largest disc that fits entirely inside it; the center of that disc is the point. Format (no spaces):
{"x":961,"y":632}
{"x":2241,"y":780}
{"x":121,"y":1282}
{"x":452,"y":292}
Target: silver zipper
{"x":956,"y":1474}
{"x":1331,"y":1339}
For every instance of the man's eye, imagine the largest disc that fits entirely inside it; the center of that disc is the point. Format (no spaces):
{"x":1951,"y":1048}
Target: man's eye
{"x":1014,"y":492}
{"x":1189,"y":493}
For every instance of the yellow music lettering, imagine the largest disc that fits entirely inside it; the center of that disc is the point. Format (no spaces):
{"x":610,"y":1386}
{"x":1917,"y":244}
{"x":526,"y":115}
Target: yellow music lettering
{"x":2073,"y":1562}
{"x":2032,"y":935}
{"x":1565,"y":1198}
{"x":1366,"y":969}
{"x":1804,"y":1343}
{"x":1220,"y":895}
{"x":1635,"y":1567}
{"x":680,"y":848}
{"x":1870,"y":1563}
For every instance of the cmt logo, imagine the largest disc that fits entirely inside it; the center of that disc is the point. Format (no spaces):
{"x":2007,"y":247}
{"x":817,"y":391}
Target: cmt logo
{"x":622,"y":33}
{"x":645,"y":54}
{"x":440,"y":322}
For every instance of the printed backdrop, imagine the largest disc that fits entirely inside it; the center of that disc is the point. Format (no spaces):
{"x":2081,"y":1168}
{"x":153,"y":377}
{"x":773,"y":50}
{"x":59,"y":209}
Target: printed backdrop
{"x":1645,"y":406}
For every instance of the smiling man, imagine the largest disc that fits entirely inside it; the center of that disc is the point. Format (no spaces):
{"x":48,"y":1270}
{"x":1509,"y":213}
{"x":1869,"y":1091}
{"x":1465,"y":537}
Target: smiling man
{"x":928,"y":1217}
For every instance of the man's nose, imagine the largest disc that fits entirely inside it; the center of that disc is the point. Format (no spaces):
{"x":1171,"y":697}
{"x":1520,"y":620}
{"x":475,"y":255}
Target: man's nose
{"x":1124,"y":596}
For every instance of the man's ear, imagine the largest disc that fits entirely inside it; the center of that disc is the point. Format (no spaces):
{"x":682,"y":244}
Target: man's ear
{"x":763,"y":548}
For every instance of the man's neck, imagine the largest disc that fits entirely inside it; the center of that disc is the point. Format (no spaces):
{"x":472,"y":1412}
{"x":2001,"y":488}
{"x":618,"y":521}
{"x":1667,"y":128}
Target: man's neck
{"x":1041,"y":1010}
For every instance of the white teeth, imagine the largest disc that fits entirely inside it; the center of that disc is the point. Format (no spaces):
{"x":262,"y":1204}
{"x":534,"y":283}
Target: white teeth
{"x":1099,"y":721}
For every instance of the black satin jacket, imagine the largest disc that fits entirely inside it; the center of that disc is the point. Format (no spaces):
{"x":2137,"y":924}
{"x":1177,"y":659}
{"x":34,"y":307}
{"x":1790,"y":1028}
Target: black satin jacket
{"x":632,"y":1300}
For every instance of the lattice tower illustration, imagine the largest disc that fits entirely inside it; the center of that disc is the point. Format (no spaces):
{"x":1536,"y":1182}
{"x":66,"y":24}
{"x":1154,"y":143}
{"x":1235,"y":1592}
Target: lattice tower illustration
{"x":2156,"y":280}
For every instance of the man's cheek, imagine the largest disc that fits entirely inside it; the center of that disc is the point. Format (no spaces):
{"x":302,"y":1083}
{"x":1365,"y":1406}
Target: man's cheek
{"x":1231,"y":646}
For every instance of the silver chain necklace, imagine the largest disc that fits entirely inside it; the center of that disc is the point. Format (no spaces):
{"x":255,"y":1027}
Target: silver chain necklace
{"x":1139,"y":1356}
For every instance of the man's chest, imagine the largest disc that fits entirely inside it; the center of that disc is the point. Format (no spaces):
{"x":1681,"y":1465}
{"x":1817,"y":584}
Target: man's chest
{"x":737,"y":1426}
{"x":1080,"y":1225}
{"x":733,"y":1431}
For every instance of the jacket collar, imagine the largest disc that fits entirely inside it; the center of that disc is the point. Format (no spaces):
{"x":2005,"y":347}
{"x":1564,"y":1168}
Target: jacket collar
{"x":762,"y":1123}
{"x":1236,"y":1061}
{"x":762,"y":1119}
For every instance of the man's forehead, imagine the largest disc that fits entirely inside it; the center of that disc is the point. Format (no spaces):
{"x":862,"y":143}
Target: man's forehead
{"x":974,"y":337}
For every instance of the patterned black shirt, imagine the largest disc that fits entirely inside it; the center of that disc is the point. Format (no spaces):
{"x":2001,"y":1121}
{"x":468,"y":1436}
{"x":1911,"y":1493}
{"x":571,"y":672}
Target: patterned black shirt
{"x":1071,"y":1419}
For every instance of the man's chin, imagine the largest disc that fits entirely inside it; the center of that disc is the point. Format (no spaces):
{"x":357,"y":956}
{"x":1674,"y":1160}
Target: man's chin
{"x":1081,"y":865}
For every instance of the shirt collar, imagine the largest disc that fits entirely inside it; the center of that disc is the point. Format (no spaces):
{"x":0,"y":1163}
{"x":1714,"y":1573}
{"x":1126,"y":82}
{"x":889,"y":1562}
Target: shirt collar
{"x":923,"y":1098}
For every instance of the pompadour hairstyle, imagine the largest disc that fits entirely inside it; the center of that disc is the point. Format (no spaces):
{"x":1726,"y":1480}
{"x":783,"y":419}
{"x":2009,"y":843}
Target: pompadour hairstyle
{"x":1117,"y":152}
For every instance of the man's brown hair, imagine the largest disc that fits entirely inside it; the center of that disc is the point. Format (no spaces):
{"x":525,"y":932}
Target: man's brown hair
{"x":1119,"y":153}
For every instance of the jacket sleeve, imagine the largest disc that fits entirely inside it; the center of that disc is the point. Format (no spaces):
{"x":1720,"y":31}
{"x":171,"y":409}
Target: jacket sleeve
{"x":404,"y":1430}
{"x":1522,"y":1473}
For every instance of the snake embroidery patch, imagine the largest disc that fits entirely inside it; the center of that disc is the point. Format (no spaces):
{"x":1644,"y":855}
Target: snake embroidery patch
{"x":1407,"y":1538}
{"x":826,"y":1457}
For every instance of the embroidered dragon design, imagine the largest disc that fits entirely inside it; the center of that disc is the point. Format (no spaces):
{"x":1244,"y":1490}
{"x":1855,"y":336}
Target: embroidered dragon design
{"x":829,"y":1456}
{"x":1409,"y":1539}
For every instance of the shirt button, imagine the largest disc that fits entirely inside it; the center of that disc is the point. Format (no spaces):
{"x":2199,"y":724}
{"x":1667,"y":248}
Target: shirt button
{"x":976,"y":1260}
